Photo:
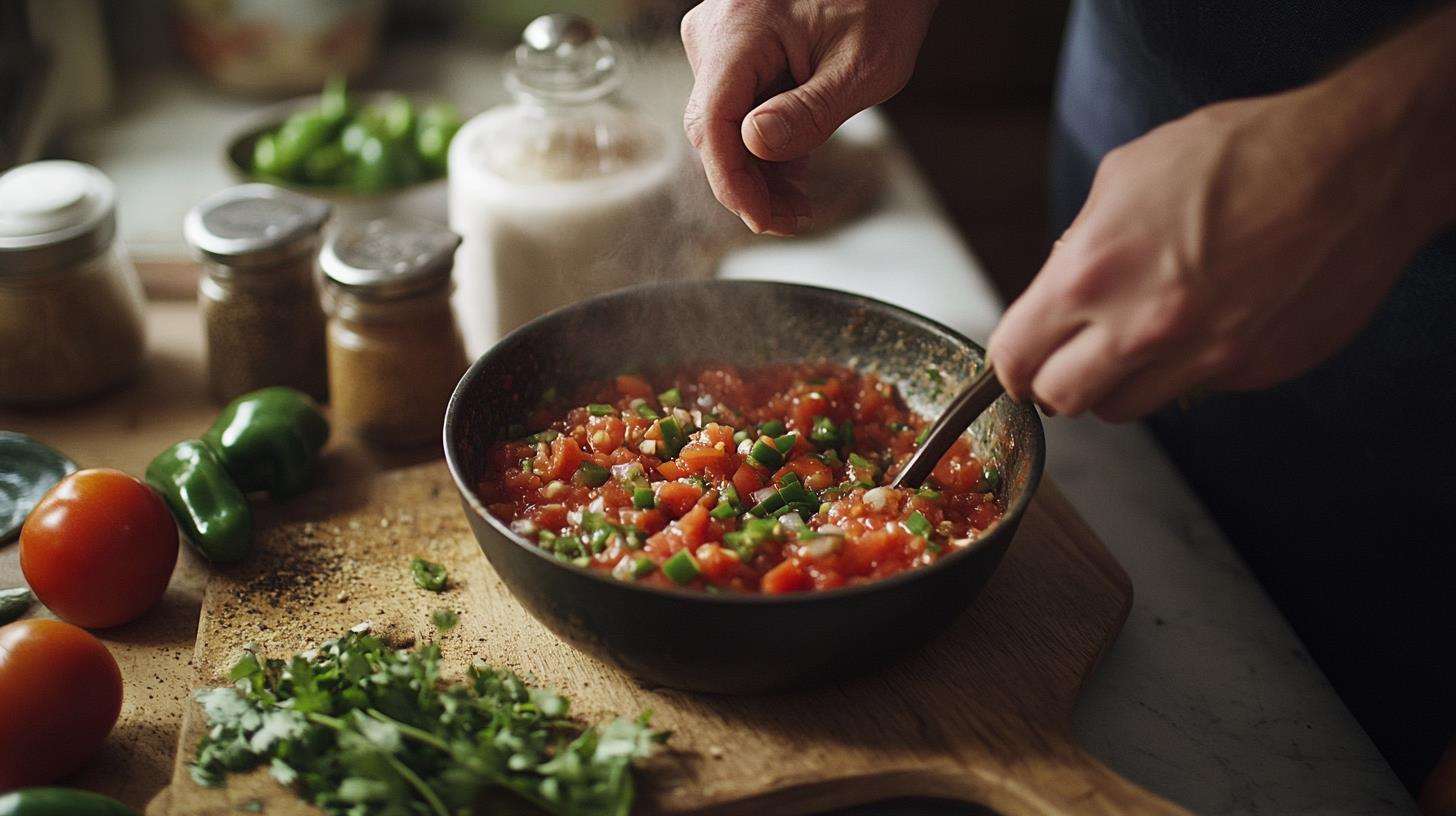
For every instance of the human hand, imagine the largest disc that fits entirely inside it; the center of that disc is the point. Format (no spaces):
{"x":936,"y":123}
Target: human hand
{"x":773,"y":79}
{"x":1234,"y":248}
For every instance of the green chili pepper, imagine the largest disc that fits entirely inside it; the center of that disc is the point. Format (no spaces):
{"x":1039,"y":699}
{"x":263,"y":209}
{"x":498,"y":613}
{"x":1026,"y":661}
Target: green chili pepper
{"x":269,"y":439}
{"x":14,"y":603}
{"x":681,"y":568}
{"x":205,"y":500}
{"x":60,"y":802}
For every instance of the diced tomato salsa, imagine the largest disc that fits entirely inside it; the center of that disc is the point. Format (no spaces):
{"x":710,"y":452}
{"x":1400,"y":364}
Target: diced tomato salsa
{"x":743,"y":480}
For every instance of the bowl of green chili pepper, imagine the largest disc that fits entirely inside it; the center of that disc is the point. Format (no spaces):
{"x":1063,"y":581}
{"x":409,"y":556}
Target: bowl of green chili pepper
{"x":371,"y":155}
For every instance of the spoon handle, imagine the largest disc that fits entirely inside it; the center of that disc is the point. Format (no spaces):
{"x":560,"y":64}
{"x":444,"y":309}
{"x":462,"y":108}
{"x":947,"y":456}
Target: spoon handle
{"x":953,"y":421}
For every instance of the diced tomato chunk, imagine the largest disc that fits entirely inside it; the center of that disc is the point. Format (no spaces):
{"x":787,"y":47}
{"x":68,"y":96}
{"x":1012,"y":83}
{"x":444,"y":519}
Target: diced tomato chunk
{"x":677,"y":498}
{"x":748,"y":479}
{"x":716,"y":564}
{"x":813,"y":473}
{"x":672,"y":470}
{"x":561,"y":459}
{"x":694,"y":525}
{"x":786,"y":577}
{"x":605,"y":433}
{"x":632,"y":386}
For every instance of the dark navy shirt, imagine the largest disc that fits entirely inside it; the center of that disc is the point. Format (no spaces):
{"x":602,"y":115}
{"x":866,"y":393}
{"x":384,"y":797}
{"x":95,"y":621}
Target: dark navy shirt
{"x":1339,"y":487}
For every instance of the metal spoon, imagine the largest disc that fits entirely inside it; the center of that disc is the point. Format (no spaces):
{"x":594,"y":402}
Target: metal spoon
{"x":954,"y":420}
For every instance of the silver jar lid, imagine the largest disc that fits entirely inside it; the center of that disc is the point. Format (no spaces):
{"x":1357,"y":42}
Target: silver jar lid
{"x":52,"y":214}
{"x":389,"y":258}
{"x":253,"y":224}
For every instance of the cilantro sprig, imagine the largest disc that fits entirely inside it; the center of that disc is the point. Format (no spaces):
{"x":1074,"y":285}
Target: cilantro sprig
{"x":360,"y":729}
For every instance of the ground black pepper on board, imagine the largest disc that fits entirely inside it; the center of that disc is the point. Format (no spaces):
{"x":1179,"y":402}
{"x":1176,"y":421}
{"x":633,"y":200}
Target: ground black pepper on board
{"x":260,"y":306}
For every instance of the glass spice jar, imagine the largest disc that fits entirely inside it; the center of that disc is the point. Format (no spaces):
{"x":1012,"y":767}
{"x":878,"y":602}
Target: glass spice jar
{"x":71,"y":320}
{"x":260,"y":305}
{"x":395,"y":351}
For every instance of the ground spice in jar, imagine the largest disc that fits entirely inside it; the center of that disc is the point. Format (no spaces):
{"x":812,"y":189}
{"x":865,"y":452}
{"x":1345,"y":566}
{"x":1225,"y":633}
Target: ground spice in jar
{"x":71,"y":321}
{"x":260,"y":307}
{"x":395,"y":351}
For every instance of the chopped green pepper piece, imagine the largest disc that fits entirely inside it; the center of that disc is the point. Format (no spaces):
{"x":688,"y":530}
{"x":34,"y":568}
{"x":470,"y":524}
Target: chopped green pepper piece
{"x":643,"y":567}
{"x":600,"y":409}
{"x":731,"y":494}
{"x":766,"y":453}
{"x":739,"y":436}
{"x":429,"y":575}
{"x":923,"y":435}
{"x":642,"y":498}
{"x":681,"y":568}
{"x":992,"y":475}
{"x":918,"y":524}
{"x":671,"y":398}
{"x":860,"y":463}
{"x":724,"y":510}
{"x":542,"y":436}
{"x":645,"y":411}
{"x":929,"y":494}
{"x":768,"y":506}
{"x":673,"y":437}
{"x":825,"y":433}
{"x":591,"y":474}
{"x":772,"y":428}
{"x":786,"y":443}
{"x":14,"y":603}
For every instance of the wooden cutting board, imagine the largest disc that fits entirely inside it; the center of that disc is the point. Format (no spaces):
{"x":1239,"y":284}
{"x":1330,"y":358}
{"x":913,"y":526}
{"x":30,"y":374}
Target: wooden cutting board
{"x":980,"y":715}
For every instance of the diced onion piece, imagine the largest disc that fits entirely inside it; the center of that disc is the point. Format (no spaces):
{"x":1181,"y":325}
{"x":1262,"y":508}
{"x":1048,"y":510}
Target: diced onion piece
{"x":877,"y":497}
{"x":554,"y":489}
{"x":821,"y":546}
{"x":648,"y":446}
{"x":597,"y":505}
{"x":628,"y":472}
{"x":792,"y":521}
{"x":745,"y":446}
{"x":762,"y":494}
{"x":830,"y":529}
{"x":524,"y":526}
{"x":705,"y":401}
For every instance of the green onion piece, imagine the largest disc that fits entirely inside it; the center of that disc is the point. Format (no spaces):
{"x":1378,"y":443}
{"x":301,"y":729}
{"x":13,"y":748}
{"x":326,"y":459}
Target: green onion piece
{"x":645,"y":411}
{"x":724,"y":510}
{"x":643,"y":567}
{"x":542,"y":436}
{"x":739,"y":436}
{"x":671,"y":398}
{"x":527,"y":465}
{"x":766,"y":454}
{"x":567,"y":547}
{"x":825,"y":433}
{"x":600,"y":409}
{"x":599,"y":538}
{"x":681,"y":568}
{"x":673,"y":437}
{"x":992,"y":475}
{"x":928,"y":494}
{"x":642,"y":498}
{"x":772,"y":428}
{"x":730,"y":493}
{"x":918,"y":524}
{"x":860,"y":463}
{"x":923,"y":435}
{"x":790,"y":478}
{"x":545,"y":538}
{"x":786,"y":443}
{"x":591,"y":474}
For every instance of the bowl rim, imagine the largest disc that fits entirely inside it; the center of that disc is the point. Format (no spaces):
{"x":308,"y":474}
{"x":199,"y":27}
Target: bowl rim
{"x":271,"y":116}
{"x":1015,"y":510}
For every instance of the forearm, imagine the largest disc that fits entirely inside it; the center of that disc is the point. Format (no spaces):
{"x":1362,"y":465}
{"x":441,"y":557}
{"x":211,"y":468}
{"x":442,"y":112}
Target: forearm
{"x":1398,"y":104}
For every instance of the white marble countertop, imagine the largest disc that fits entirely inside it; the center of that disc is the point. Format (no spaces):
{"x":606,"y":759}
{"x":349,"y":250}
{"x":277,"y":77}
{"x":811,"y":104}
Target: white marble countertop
{"x":1207,"y":698}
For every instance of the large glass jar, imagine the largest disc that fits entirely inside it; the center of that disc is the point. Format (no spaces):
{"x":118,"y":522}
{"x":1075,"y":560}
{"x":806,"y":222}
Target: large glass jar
{"x":260,"y":305}
{"x":395,"y":352}
{"x":563,"y":193}
{"x":71,"y":320}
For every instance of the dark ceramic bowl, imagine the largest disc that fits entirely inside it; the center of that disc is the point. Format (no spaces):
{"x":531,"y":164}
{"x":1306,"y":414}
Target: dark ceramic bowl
{"x":727,"y":642}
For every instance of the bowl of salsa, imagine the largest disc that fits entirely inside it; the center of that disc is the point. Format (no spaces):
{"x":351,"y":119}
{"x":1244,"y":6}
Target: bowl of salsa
{"x":689,"y":480}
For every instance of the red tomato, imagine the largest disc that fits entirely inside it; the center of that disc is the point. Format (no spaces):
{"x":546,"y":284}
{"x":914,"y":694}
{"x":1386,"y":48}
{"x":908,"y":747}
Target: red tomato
{"x":60,"y":691}
{"x":786,"y":577}
{"x":99,"y":548}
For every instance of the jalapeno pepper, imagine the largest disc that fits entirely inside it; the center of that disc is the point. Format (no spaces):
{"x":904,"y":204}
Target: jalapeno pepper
{"x":60,"y":802}
{"x":269,"y":439}
{"x":205,"y":500}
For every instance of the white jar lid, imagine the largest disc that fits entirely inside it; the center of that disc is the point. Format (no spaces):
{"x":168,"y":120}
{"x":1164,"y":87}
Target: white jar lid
{"x":54,"y":213}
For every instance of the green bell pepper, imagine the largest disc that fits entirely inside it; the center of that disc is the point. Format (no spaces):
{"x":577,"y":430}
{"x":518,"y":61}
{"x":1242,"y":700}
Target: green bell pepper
{"x":205,"y":500}
{"x":60,"y":802}
{"x":269,"y":439}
